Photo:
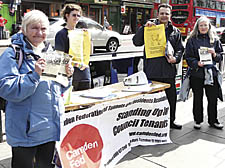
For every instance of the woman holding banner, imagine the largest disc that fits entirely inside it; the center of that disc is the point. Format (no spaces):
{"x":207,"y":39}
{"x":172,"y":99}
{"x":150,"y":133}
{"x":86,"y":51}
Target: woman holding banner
{"x":33,"y":105}
{"x":81,"y":77}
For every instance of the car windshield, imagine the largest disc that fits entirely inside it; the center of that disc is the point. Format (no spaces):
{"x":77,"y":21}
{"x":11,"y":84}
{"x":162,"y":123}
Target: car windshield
{"x":52,"y":21}
{"x":92,"y":24}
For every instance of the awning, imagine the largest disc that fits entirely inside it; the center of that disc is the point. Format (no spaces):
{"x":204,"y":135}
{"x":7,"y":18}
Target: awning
{"x":138,"y":4}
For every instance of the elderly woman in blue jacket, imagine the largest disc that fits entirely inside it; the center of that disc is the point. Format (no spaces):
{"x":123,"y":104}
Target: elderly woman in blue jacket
{"x":34,"y":105}
{"x":204,"y":74}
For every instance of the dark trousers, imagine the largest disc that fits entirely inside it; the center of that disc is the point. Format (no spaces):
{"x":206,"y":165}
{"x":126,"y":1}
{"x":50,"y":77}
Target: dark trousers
{"x":77,"y":86}
{"x":171,"y":95}
{"x":1,"y":32}
{"x":197,"y":85}
{"x":29,"y":157}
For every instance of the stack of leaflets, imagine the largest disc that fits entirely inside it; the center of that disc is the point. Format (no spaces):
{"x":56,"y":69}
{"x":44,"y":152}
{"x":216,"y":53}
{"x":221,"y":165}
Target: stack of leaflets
{"x":99,"y":93}
{"x":137,"y":82}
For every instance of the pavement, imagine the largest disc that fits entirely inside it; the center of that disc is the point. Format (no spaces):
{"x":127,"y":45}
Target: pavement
{"x":5,"y":42}
{"x":190,"y":148}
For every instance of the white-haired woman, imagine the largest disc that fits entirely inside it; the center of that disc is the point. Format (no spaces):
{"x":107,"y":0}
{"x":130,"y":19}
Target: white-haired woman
{"x":203,"y":41}
{"x":33,"y":105}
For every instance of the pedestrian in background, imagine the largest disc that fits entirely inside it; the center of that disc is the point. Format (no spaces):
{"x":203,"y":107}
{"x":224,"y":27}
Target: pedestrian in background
{"x":204,"y":76}
{"x":106,"y":24}
{"x":3,"y":21}
{"x":33,"y":105}
{"x":163,"y":69}
{"x":71,"y":14}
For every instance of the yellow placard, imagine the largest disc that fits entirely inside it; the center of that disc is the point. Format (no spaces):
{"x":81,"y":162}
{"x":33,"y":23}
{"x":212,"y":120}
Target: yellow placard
{"x":155,"y":41}
{"x":80,"y":47}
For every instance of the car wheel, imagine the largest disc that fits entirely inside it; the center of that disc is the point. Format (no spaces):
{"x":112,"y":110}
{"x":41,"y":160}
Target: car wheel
{"x":112,"y":45}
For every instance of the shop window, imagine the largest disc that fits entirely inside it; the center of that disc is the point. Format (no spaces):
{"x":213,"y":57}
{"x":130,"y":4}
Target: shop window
{"x":218,"y":5}
{"x":223,"y":6}
{"x":84,"y":10}
{"x":55,"y":10}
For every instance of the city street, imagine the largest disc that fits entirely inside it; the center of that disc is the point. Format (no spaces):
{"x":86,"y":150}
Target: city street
{"x":105,"y":29}
{"x":126,"y":45}
{"x":190,"y":147}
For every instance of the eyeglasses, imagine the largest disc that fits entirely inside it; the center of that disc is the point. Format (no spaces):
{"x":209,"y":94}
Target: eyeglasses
{"x":75,"y":15}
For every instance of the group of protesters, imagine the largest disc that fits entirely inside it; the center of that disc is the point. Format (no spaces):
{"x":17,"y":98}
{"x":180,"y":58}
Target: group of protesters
{"x":34,"y":106}
{"x":202,"y":76}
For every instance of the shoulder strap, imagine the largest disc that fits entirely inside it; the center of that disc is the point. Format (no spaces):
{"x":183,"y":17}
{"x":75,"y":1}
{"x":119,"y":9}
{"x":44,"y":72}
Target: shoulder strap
{"x":19,"y":54}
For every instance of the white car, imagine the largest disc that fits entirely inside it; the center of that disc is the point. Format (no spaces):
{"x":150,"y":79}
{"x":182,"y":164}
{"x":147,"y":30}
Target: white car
{"x":101,"y":37}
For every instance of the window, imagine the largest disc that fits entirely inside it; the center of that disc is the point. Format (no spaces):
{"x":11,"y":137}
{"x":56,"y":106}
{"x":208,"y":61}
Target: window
{"x":212,"y":4}
{"x":223,"y":6}
{"x":180,"y":1}
{"x":218,"y":5}
{"x":201,"y":3}
{"x":179,"y":17}
{"x":93,"y":25}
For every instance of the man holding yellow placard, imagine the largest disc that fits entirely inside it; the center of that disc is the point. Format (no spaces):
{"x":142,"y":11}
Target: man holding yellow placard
{"x":163,"y":50}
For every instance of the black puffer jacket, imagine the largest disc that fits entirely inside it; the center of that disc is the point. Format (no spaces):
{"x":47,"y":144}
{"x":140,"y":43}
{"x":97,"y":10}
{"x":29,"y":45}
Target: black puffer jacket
{"x":159,"y":67}
{"x":192,"y":55}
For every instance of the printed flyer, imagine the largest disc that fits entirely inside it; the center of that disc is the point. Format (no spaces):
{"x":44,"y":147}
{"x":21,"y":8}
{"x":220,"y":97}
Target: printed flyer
{"x":155,"y":41}
{"x":55,"y":68}
{"x":205,"y":56}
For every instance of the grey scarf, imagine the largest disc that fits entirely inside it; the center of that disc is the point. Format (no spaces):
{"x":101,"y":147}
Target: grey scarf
{"x":208,"y":76}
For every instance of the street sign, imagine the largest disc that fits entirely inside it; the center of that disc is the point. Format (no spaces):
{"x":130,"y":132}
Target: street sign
{"x":123,"y":9}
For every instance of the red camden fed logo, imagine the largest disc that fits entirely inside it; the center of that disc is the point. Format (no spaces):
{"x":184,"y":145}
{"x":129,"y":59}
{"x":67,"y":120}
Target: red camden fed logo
{"x":82,"y":147}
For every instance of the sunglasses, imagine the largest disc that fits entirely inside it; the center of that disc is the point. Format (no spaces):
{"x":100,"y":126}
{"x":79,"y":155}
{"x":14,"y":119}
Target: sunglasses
{"x":75,"y":15}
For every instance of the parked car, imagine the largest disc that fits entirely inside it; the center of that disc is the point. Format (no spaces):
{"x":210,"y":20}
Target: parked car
{"x":221,"y":33}
{"x":101,"y":37}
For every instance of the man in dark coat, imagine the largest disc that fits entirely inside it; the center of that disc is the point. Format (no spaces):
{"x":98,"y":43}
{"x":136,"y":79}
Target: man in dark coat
{"x":163,"y":69}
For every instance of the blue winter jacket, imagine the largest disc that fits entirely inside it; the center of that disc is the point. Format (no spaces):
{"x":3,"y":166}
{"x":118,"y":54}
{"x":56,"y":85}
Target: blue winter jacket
{"x":33,"y":106}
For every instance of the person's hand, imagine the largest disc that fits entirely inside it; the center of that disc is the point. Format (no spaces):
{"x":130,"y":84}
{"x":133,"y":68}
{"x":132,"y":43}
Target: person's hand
{"x":171,"y":59}
{"x":212,"y":51}
{"x":69,"y":69}
{"x":40,"y":66}
{"x":149,"y":24}
{"x":200,"y":64}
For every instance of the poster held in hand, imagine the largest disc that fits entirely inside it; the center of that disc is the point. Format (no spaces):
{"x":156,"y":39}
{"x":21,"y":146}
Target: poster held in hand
{"x":55,"y":67}
{"x":205,"y":56}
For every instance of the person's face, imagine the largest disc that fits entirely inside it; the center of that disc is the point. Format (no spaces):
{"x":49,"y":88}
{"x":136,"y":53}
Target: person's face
{"x":164,"y":15}
{"x":36,"y":33}
{"x":203,"y":27}
{"x":73,"y":17}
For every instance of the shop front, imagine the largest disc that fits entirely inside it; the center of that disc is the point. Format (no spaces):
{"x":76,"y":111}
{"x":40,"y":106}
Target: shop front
{"x":135,"y":14}
{"x":101,"y":11}
{"x":51,"y":8}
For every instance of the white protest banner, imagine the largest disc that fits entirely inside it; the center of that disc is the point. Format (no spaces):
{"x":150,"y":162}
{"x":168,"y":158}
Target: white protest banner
{"x":100,"y":136}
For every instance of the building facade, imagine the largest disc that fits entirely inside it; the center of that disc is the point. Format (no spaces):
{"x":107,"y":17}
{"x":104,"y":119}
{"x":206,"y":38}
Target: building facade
{"x":119,"y":13}
{"x":134,"y":14}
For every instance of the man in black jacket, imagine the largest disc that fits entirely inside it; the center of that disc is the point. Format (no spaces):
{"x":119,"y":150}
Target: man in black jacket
{"x":163,"y":69}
